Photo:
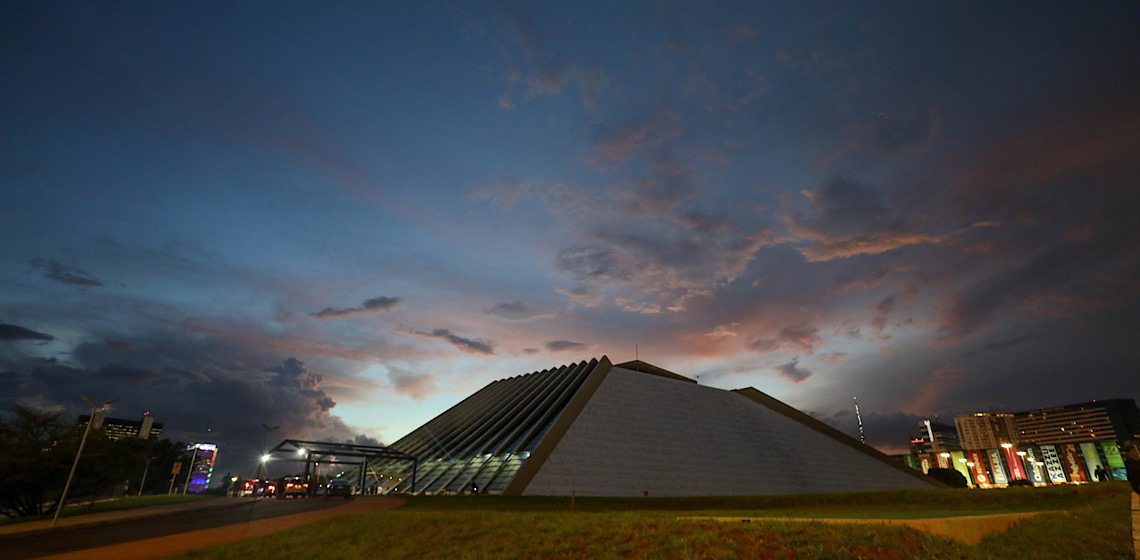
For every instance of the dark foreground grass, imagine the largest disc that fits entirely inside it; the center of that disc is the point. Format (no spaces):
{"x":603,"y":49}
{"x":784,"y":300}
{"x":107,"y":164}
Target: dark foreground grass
{"x":1087,"y":524}
{"x":132,"y":502}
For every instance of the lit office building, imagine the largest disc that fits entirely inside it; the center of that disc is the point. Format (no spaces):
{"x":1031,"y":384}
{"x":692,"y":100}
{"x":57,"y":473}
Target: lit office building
{"x":1107,"y":420}
{"x":986,"y":430}
{"x":934,"y":437}
{"x":119,"y":428}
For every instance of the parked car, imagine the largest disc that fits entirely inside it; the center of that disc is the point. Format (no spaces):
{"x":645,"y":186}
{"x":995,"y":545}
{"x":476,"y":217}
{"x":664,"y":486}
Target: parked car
{"x":339,"y":488}
{"x":293,"y":487}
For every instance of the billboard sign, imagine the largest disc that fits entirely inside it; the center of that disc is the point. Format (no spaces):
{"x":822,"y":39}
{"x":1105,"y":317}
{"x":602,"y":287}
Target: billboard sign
{"x":1053,"y":466}
{"x":1071,"y":459}
{"x":1092,"y":459}
{"x":979,"y":468}
{"x":1016,"y":470}
{"x":999,"y":470}
{"x":1115,"y":460}
{"x":1035,"y":473}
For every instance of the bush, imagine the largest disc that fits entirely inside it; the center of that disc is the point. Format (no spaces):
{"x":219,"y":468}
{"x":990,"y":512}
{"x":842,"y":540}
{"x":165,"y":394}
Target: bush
{"x":949,"y":477}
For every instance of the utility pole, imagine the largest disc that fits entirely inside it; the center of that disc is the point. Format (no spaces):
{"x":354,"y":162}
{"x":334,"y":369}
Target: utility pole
{"x":82,"y":442}
{"x":189,"y":473}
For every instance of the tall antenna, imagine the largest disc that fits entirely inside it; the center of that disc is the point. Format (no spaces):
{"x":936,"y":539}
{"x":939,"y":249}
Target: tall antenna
{"x":635,"y":355}
{"x":859,"y":417}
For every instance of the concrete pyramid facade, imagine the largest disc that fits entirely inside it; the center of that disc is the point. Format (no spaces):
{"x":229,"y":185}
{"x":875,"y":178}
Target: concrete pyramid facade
{"x":595,"y":429}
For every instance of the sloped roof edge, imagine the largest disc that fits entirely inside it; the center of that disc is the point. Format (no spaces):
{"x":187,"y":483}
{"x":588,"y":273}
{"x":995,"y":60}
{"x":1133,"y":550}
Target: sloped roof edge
{"x":776,"y":405}
{"x":549,"y":441}
{"x":638,"y":365}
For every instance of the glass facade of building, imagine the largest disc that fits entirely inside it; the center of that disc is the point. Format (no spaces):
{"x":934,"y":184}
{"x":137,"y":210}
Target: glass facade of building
{"x":479,"y":444}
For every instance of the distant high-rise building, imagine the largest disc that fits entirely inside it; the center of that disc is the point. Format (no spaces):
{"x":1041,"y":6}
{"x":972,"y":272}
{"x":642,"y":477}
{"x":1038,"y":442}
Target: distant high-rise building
{"x":935,"y":437}
{"x":986,"y":430}
{"x":119,"y":428}
{"x":1106,"y":420}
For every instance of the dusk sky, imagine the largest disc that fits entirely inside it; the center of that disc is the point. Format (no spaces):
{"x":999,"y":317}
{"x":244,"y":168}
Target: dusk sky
{"x":343,"y":218}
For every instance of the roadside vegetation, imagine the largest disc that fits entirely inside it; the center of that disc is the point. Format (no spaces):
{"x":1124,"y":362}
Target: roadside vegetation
{"x":38,"y":449}
{"x":1082,"y":522}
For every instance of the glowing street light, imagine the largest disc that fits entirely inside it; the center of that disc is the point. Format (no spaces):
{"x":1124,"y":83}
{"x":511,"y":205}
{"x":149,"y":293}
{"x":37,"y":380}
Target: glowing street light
{"x":82,"y":442}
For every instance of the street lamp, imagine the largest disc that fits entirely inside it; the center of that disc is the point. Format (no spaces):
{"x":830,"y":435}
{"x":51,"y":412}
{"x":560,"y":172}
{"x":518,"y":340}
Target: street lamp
{"x":966,"y":463}
{"x":82,"y":442}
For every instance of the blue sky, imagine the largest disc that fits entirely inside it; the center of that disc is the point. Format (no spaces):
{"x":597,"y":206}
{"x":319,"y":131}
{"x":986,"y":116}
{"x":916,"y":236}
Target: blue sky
{"x":344,"y":218}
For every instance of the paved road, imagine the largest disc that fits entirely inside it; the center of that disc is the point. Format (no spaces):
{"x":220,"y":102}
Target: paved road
{"x":69,"y":539}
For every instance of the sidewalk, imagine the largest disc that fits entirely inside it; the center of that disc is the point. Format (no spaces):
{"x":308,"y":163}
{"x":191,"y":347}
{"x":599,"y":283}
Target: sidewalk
{"x":121,"y":515}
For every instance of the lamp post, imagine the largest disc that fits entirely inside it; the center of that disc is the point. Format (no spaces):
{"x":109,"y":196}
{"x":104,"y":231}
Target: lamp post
{"x":1024,"y":465}
{"x":82,"y":442}
{"x":265,"y":449}
{"x":190,"y":473}
{"x":965,"y":463}
{"x":262,"y":464}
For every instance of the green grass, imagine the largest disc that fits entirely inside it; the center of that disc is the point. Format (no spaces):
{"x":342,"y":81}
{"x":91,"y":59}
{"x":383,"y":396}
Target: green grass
{"x":132,"y":502}
{"x":1091,"y":523}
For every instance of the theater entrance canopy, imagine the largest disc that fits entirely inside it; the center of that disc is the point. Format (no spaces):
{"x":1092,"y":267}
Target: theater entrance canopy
{"x":315,"y":453}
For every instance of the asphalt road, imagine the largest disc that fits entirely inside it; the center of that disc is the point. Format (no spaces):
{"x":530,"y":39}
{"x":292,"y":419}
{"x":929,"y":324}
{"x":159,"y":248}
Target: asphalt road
{"x":70,"y":539}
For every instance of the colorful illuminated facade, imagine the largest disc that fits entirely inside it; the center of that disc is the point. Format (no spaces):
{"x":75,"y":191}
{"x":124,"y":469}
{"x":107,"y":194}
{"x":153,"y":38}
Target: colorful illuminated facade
{"x":202,"y":468}
{"x":1064,"y":444}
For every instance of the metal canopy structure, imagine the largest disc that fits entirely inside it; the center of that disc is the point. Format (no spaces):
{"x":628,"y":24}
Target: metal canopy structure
{"x":316,"y":452}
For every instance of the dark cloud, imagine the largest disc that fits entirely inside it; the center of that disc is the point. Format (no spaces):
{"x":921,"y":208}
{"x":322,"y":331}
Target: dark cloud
{"x":380,"y":304}
{"x":16,"y":332}
{"x":361,"y":439}
{"x":889,"y":432}
{"x":993,"y":347}
{"x":564,"y":345}
{"x":848,"y":219}
{"x":470,"y":345}
{"x":1054,"y":274}
{"x":66,"y":274}
{"x":544,"y":70}
{"x":218,"y":398}
{"x":794,"y":339}
{"x":793,"y":372}
{"x":518,"y":311}
{"x":842,"y":206}
{"x":662,"y":262}
{"x":623,"y":141}
{"x":589,"y":262}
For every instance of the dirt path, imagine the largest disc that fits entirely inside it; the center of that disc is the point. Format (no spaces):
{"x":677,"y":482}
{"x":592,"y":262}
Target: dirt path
{"x":173,"y":544}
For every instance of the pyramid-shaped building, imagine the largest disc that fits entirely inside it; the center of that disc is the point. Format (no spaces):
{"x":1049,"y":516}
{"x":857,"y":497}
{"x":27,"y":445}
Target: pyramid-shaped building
{"x":633,"y":429}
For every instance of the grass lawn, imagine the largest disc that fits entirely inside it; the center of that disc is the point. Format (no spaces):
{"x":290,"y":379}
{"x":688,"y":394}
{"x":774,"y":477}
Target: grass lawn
{"x":132,"y":502}
{"x":1088,"y":522}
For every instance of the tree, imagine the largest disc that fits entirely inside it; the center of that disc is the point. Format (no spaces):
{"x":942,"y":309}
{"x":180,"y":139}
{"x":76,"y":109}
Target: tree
{"x":35,"y":455}
{"x":37,"y":450}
